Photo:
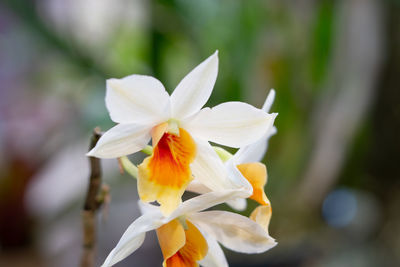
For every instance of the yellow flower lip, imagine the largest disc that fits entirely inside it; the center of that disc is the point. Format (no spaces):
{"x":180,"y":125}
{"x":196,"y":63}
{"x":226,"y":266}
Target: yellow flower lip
{"x":180,"y":246}
{"x":256,"y":174}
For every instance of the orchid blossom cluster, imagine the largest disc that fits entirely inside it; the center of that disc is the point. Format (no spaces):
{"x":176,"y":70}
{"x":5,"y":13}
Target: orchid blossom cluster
{"x":182,"y":159}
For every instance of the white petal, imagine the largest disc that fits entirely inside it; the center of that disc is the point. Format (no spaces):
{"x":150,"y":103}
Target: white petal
{"x":194,"y":90}
{"x":256,"y":151}
{"x":147,"y":207}
{"x":234,"y":231}
{"x":237,"y":177}
{"x":269,"y":101}
{"x":197,"y":187}
{"x":122,"y":140}
{"x":215,"y":256}
{"x":208,"y":168}
{"x":133,"y":237}
{"x":233,"y":124}
{"x":137,"y":99}
{"x":205,"y":201}
{"x":239,"y":204}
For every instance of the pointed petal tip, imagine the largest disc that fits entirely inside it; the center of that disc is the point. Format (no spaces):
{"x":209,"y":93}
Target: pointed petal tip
{"x":91,"y":153}
{"x":269,"y":100}
{"x":214,"y":56}
{"x":272,"y":92}
{"x":94,"y":152}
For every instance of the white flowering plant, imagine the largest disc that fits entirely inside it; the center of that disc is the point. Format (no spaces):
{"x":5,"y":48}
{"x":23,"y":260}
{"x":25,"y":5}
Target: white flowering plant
{"x":181,"y":159}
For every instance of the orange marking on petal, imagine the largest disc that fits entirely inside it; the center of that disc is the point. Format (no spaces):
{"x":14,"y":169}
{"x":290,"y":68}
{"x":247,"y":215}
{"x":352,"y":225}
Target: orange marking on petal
{"x":256,"y":174}
{"x":195,"y":246}
{"x":165,"y":175}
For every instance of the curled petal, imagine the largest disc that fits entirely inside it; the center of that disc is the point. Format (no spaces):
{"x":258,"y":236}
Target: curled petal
{"x":194,"y":90}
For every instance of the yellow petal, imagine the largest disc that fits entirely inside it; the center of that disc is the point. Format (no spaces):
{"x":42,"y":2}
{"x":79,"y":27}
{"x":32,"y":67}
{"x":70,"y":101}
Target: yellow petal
{"x":165,"y":175}
{"x":175,"y":254}
{"x":256,"y":174}
{"x":262,"y":216}
{"x":171,"y":237}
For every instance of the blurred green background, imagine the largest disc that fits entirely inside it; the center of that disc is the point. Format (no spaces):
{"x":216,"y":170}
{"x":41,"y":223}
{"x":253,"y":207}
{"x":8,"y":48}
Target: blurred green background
{"x":334,"y":166}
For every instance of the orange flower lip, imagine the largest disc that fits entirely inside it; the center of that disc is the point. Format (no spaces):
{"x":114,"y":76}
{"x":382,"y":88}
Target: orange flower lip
{"x":171,"y":159}
{"x":256,"y":174}
{"x":181,"y":247}
{"x":165,"y":175}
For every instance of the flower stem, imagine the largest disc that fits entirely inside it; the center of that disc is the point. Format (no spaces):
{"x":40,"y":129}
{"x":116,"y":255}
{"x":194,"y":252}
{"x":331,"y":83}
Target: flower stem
{"x":129,"y":167}
{"x":91,"y":206}
{"x":148,"y":150}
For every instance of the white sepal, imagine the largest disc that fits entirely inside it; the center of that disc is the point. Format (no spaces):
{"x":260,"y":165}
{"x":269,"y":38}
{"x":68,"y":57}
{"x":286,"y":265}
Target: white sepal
{"x":122,"y":140}
{"x":208,"y":168}
{"x":234,"y":231}
{"x":233,"y":124}
{"x":215,"y":256}
{"x":195,"y":88}
{"x":205,"y":201}
{"x":199,"y":188}
{"x":269,"y":101}
{"x":137,"y":99}
{"x":133,"y":237}
{"x":256,"y":151}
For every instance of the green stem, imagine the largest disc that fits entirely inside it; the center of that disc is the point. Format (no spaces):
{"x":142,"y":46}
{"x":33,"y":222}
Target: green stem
{"x":129,"y":167}
{"x":148,"y":150}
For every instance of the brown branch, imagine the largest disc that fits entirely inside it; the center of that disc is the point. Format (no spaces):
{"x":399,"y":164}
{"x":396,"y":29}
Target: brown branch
{"x":92,"y":204}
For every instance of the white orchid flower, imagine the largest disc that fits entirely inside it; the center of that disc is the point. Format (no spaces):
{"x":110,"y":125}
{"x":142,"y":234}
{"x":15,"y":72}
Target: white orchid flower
{"x":190,"y":235}
{"x":179,"y":129}
{"x":246,"y":162}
